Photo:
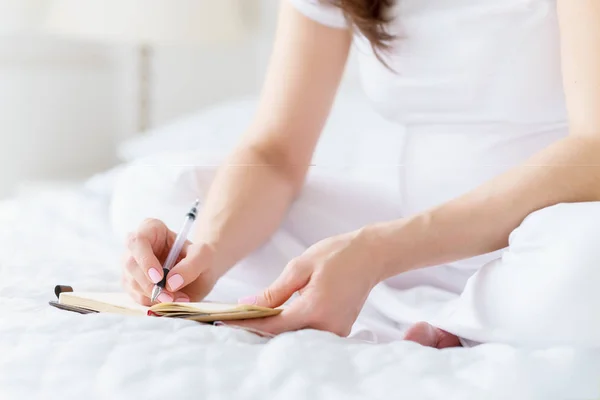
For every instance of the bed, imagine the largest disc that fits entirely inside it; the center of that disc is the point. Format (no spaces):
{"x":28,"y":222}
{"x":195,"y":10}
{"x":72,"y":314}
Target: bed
{"x":64,"y":236}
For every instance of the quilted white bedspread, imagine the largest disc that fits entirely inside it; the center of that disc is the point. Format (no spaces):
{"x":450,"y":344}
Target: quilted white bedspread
{"x":63,"y":237}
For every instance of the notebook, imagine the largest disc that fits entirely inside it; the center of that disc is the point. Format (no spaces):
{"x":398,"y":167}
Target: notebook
{"x":121,"y":303}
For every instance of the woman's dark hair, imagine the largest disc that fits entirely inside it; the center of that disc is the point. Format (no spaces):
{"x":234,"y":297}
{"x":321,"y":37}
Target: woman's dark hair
{"x":371,"y":18}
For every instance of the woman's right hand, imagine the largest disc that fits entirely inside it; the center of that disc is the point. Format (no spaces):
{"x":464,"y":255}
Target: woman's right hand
{"x":191,"y":279}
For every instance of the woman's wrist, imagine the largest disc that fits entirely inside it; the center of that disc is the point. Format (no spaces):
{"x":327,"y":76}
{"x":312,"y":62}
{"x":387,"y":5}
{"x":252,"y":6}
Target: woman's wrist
{"x":217,"y":262}
{"x":221,"y":264}
{"x":392,"y":246}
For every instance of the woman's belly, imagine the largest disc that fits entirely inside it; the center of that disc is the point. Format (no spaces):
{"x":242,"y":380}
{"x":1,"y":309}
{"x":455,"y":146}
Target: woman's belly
{"x":441,"y":162}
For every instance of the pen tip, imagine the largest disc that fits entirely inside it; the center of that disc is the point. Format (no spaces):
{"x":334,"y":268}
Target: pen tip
{"x":155,"y":293}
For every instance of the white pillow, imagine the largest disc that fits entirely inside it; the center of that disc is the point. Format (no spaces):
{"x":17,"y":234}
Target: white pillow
{"x":356,"y":142}
{"x":215,"y":128}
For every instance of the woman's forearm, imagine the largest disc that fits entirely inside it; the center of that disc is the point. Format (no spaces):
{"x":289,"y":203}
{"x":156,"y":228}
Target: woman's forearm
{"x":567,"y":171}
{"x":482,"y":220}
{"x":245,"y":205}
{"x":253,"y":190}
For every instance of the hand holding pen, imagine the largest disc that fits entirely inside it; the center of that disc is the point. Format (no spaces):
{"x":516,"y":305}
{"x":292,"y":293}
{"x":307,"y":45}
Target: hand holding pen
{"x":164,"y":265}
{"x":174,"y":253}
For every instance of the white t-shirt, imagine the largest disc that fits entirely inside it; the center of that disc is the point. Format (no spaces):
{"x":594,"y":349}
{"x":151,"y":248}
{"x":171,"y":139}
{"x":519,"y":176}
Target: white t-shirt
{"x":462,"y":61}
{"x":477,"y":88}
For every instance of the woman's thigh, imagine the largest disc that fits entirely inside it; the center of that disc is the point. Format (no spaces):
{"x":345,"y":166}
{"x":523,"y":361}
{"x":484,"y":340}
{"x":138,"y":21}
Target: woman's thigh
{"x":327,"y":206}
{"x":330,"y":206}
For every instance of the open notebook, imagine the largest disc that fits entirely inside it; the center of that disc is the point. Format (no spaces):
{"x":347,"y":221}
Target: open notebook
{"x":121,"y":303}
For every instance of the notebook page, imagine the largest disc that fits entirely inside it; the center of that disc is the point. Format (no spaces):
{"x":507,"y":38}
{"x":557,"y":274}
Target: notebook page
{"x":116,"y":299}
{"x":204,"y":307}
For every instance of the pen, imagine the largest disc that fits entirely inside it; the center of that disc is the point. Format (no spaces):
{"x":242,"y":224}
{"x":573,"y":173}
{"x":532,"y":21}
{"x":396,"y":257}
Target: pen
{"x":176,"y":250}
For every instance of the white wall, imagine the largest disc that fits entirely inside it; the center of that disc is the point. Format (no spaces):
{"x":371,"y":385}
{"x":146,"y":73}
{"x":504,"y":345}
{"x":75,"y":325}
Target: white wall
{"x":65,"y":105}
{"x":186,"y":80}
{"x":59,"y":109}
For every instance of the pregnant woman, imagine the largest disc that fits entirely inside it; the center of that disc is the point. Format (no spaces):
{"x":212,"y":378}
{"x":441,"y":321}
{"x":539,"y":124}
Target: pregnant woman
{"x":494,"y":233}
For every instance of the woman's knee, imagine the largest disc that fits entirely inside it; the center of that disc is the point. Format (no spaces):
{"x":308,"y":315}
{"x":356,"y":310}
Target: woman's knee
{"x":546,"y":287}
{"x":162,"y":188}
{"x":564,"y":236}
{"x":330,"y":206}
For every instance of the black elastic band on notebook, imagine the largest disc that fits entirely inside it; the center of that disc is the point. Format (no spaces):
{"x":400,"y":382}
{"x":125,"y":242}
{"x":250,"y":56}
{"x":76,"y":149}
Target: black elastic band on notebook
{"x":58,"y":289}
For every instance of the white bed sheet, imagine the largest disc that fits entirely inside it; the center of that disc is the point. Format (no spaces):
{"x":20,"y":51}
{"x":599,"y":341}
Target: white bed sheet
{"x":63,"y":237}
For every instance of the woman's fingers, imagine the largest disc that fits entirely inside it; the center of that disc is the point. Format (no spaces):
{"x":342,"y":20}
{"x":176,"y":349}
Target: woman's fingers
{"x":291,"y":319}
{"x":138,"y":275}
{"x":140,"y":246}
{"x":134,"y":291}
{"x":197,"y":259}
{"x":293,"y":278}
{"x":142,"y":269}
{"x":181,"y":297}
{"x":142,"y":252}
{"x":135,"y":279}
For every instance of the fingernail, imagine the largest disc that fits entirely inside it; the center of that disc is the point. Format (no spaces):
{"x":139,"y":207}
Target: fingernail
{"x":182,"y":300}
{"x":251,"y":300}
{"x":154,"y":275}
{"x":175,"y":282}
{"x":165,"y":298}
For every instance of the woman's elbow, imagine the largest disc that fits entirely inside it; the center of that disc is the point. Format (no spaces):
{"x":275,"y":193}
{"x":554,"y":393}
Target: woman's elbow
{"x":272,"y":156}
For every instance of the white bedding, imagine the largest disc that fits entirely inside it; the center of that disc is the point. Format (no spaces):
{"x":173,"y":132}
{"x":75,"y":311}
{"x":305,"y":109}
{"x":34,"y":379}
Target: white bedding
{"x":64,"y":237}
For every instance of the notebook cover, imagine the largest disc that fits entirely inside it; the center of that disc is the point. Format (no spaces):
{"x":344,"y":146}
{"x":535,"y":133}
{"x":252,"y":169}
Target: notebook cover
{"x":210,"y":318}
{"x":72,"y":308}
{"x":58,"y":289}
{"x":62,"y":288}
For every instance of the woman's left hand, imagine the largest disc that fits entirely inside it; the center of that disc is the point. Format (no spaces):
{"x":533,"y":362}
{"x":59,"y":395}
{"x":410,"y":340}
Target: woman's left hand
{"x":333,"y":279}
